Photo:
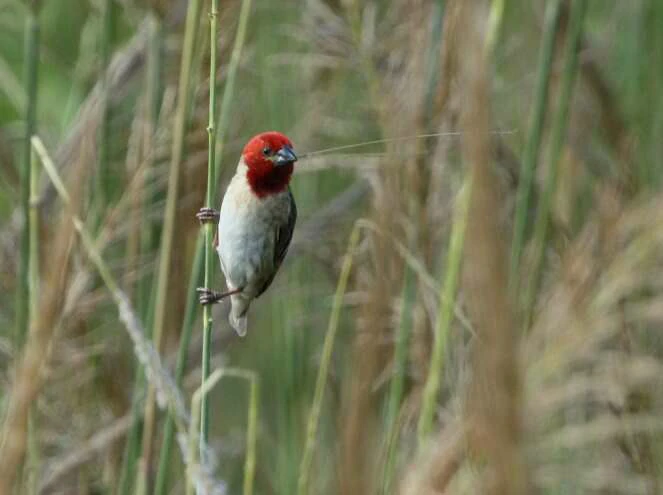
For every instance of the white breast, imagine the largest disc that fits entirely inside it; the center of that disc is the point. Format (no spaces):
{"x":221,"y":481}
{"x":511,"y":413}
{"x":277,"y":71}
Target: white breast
{"x":247,"y":233}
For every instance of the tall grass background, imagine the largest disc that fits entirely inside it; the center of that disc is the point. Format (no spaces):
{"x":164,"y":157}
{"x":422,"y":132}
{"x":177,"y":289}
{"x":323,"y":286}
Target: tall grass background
{"x":471,"y":300}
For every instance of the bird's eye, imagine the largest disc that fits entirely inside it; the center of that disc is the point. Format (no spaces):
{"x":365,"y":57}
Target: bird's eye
{"x":266,"y":151}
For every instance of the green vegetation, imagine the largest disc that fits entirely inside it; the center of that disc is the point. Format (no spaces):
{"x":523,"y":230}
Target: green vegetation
{"x":471,"y":300}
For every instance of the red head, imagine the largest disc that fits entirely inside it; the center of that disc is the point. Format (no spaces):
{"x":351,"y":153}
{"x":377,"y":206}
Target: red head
{"x":269,"y":158}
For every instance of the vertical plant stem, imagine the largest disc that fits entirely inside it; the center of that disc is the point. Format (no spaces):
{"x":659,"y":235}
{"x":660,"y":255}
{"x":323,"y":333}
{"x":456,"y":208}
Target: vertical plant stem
{"x":398,"y":379}
{"x":251,"y":434}
{"x":103,"y":175}
{"x":132,"y":447}
{"x":654,"y":148}
{"x":493,"y":406}
{"x":321,"y":380}
{"x":251,"y":423}
{"x":29,"y":263}
{"x":229,"y":89}
{"x":558,"y":135}
{"x":161,"y":483}
{"x":153,"y":101}
{"x":31,"y":60}
{"x":209,"y":228}
{"x":531,"y":152}
{"x":409,"y":287}
{"x":445,"y":314}
{"x":495,"y":24}
{"x":172,"y":200}
{"x":33,"y":269}
{"x":198,"y":263}
{"x":147,"y":242}
{"x":33,"y":278}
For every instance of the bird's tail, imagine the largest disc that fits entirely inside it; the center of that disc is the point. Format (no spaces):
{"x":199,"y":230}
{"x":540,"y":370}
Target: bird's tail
{"x":239,"y":323}
{"x":237,"y":317}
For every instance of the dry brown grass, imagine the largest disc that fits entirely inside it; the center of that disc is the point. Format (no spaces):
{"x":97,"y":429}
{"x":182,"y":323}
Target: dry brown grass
{"x":29,"y":374}
{"x":494,"y":403}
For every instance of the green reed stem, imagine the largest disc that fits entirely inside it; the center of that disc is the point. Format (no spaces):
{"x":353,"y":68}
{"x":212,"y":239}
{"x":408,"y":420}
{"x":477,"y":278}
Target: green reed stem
{"x":323,"y":371}
{"x":558,"y":135}
{"x":197,"y":267}
{"x":31,"y":58}
{"x":209,"y":227}
{"x":251,"y":424}
{"x":655,"y":98}
{"x":533,"y":144}
{"x":409,"y":288}
{"x":28,"y":269}
{"x":33,"y":269}
{"x":445,"y":314}
{"x":132,"y":447}
{"x":154,"y":74}
{"x":163,"y":472}
{"x":103,"y":175}
{"x":33,"y":281}
{"x":495,"y":24}
{"x":168,"y":233}
{"x":147,"y":245}
{"x":229,"y":89}
{"x":400,"y":368}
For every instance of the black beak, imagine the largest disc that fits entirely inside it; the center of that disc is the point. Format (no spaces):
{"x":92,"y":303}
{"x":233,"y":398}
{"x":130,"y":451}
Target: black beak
{"x":285,"y":156}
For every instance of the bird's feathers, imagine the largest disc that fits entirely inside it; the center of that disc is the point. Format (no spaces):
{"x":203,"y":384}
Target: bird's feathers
{"x":282,"y":237}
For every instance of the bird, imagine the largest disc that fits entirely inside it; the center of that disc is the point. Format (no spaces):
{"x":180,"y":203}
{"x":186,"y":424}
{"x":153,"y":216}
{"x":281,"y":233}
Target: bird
{"x":255,"y":224}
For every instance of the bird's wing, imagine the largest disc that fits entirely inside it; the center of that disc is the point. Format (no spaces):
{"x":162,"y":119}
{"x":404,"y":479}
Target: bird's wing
{"x":283,"y":236}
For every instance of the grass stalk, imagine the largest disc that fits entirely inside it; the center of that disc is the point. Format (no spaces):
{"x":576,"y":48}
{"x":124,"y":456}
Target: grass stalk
{"x":33,"y":269}
{"x":31,"y":60}
{"x":251,"y":426}
{"x":445,"y":314}
{"x":33,"y":281}
{"x":147,"y":355}
{"x":558,"y":135}
{"x":172,"y":200}
{"x":28,"y":275}
{"x":323,"y":370}
{"x":409,"y":292}
{"x":27,"y":379}
{"x":495,"y":24}
{"x":200,"y":251}
{"x":163,"y":472}
{"x":493,"y":406}
{"x":229,"y":89}
{"x":209,"y":227}
{"x":147,"y":242}
{"x":533,"y":143}
{"x":154,"y":75}
{"x":132,"y":447}
{"x":398,"y":379}
{"x":653,"y":176}
{"x":103,"y":175}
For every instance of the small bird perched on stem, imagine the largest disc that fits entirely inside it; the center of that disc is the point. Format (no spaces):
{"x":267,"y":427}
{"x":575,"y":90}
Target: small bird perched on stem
{"x":256,"y":223}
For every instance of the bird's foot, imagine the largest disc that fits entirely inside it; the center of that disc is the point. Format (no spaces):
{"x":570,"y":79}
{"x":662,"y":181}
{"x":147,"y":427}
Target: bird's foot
{"x":207,"y":215}
{"x":208,"y":296}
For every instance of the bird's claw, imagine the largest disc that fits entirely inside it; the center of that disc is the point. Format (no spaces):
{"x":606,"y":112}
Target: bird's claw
{"x":207,"y":296}
{"x":207,"y":215}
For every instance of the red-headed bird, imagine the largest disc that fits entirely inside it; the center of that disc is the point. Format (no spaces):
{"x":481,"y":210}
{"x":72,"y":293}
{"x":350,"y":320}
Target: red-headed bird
{"x":256,"y":223}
